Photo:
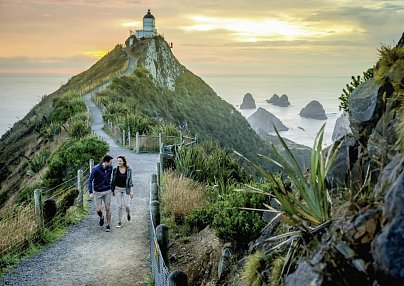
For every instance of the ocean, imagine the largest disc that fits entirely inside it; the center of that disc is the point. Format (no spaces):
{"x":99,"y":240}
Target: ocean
{"x":300,"y":91}
{"x":19,"y":93}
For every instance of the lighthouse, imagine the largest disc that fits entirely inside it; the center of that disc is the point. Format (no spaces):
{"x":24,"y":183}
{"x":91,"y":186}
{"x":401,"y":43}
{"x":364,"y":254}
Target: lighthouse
{"x":149,"y":27}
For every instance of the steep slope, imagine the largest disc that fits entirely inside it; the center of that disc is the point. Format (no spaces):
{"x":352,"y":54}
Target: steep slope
{"x":163,"y":91}
{"x":27,"y":138}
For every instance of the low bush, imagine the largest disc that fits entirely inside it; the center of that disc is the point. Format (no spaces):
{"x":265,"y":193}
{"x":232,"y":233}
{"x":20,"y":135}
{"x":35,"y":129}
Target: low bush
{"x":73,"y":155}
{"x":235,"y":225}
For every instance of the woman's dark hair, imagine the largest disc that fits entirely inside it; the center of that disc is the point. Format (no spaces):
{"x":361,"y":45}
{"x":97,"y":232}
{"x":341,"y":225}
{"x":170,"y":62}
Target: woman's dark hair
{"x":123,"y":159}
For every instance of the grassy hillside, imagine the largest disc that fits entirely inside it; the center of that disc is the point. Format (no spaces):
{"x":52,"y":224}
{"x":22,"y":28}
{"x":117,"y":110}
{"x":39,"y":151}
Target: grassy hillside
{"x":193,"y":107}
{"x":44,"y":129}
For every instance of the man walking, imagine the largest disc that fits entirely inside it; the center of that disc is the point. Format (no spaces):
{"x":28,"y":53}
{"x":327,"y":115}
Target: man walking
{"x":99,"y":187}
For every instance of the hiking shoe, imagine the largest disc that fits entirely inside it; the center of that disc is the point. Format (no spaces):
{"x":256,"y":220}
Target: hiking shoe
{"x":128,"y":216}
{"x":108,"y":228}
{"x":119,"y":225}
{"x":102,"y":221}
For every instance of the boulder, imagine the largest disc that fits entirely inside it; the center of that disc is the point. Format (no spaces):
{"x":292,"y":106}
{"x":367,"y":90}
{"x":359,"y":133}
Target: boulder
{"x":264,"y":121}
{"x":283,"y":101}
{"x":341,"y":127}
{"x":313,"y":110}
{"x":388,"y":247}
{"x":273,"y":99}
{"x":366,"y":107}
{"x":248,"y":102}
{"x":348,"y":154}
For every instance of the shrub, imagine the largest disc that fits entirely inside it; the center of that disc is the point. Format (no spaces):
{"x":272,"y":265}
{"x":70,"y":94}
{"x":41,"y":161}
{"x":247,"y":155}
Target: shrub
{"x":52,"y":130}
{"x":73,"y":155}
{"x":236,"y":225}
{"x":210,"y":164}
{"x":67,"y":105}
{"x":201,"y":217}
{"x":79,"y":126}
{"x":346,"y":93}
{"x":39,"y":161}
{"x":181,"y":195}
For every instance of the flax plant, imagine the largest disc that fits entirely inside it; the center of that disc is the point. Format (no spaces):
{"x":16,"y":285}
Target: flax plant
{"x":309,"y":204}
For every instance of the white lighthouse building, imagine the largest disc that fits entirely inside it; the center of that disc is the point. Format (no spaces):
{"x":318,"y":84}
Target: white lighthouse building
{"x":149,"y":27}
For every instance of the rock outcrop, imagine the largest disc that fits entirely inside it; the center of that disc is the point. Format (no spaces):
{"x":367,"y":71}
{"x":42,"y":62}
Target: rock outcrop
{"x":313,"y":110}
{"x":273,"y":99}
{"x":263,"y":121}
{"x":158,"y":59}
{"x":282,"y":101}
{"x":248,"y":102}
{"x":341,"y":128}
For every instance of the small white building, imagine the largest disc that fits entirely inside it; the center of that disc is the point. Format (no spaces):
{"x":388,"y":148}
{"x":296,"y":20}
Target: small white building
{"x":149,"y":27}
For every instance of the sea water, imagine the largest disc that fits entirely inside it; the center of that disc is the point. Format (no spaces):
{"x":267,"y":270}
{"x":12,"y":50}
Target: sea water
{"x":19,"y":93}
{"x":300,"y":91}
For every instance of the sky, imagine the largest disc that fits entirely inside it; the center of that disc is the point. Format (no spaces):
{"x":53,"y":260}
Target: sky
{"x":211,"y":38}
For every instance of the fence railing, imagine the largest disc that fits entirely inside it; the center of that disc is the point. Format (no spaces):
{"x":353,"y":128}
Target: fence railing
{"x":159,"y":241}
{"x":24,"y":223}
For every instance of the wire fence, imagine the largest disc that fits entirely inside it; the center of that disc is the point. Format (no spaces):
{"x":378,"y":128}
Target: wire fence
{"x":23,"y":224}
{"x":159,"y":269}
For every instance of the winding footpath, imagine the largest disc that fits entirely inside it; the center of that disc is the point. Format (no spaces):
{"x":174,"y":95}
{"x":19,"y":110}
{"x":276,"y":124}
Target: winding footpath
{"x":87,"y":254}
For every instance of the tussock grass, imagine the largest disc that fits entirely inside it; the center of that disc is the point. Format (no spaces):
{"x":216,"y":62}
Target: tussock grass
{"x":17,"y":229}
{"x":251,"y":272}
{"x":181,"y":195}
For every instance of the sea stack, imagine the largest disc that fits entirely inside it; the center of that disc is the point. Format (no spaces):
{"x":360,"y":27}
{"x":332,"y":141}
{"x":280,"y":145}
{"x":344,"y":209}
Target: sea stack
{"x":282,"y":101}
{"x":313,"y":110}
{"x":263,"y":121}
{"x":248,"y":102}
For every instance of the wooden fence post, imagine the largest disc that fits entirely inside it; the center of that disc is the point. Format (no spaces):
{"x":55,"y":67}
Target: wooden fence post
{"x":129,"y":138}
{"x":39,"y":210}
{"x":162,"y":239}
{"x":155,"y":210}
{"x":177,"y":278}
{"x":79,"y":188}
{"x":158,"y":174}
{"x":153,"y":178}
{"x":160,"y":141}
{"x":91,"y":164}
{"x":137,"y":143}
{"x":154,"y":192}
{"x":123,"y":137}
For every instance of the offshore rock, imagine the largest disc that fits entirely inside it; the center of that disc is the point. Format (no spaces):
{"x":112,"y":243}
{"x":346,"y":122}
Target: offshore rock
{"x":248,"y":102}
{"x":263,"y":121}
{"x":283,"y":101}
{"x":274,"y":99}
{"x":313,"y":110}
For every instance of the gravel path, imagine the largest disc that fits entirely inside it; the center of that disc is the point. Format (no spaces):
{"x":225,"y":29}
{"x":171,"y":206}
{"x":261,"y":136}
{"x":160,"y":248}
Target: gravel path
{"x":87,"y":255}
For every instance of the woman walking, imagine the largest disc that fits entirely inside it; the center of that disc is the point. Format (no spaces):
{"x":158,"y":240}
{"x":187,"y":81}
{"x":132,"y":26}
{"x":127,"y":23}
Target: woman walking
{"x":122,"y":187}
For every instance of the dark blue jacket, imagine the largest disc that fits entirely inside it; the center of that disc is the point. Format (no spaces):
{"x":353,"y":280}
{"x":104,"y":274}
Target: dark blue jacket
{"x":100,"y":178}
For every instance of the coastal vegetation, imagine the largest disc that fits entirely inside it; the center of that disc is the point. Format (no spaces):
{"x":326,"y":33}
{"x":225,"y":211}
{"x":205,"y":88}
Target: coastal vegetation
{"x":278,"y":218}
{"x":44,"y":151}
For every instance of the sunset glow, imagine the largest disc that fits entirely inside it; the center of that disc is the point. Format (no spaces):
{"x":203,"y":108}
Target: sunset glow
{"x":285,"y":37}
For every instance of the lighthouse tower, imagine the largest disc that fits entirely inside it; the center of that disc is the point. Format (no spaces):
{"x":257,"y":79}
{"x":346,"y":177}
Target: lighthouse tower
{"x":149,"y":27}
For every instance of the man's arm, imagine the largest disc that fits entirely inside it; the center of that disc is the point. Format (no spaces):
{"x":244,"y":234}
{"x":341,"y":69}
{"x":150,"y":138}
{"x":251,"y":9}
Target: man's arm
{"x":90,"y":181}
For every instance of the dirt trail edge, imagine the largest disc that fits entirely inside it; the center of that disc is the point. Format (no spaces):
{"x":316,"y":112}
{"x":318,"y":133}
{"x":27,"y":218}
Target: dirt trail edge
{"x":87,"y":255}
